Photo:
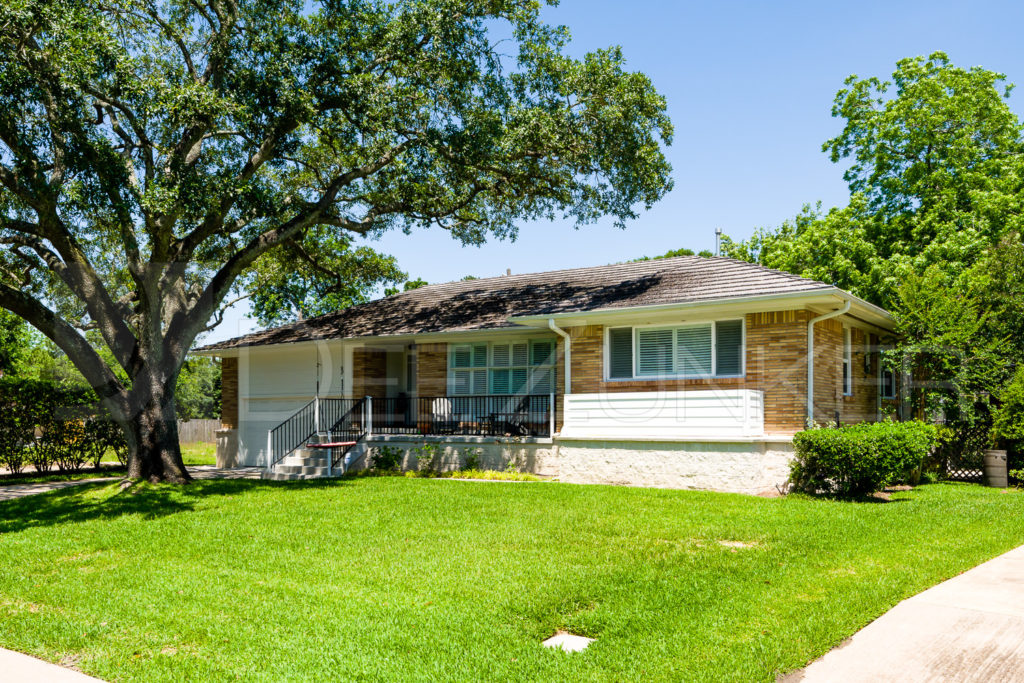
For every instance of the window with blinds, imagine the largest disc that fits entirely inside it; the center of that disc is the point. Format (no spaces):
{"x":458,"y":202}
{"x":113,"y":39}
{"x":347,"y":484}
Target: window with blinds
{"x":620,"y":353}
{"x":705,"y":350}
{"x":519,"y":367}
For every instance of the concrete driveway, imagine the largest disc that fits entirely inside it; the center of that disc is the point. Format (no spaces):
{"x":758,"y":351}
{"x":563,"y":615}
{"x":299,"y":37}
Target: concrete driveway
{"x":969,"y":628}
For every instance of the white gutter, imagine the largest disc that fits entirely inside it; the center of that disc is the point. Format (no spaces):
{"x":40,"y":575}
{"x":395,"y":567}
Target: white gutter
{"x":810,"y":353}
{"x":815,"y":295}
{"x":568,"y":353}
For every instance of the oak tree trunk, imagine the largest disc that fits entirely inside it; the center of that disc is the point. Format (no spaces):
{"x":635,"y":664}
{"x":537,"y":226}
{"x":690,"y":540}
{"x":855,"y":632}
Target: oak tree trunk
{"x":154,"y":452}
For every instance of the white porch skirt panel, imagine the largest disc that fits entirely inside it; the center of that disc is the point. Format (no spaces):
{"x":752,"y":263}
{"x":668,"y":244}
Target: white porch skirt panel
{"x":714,"y":413}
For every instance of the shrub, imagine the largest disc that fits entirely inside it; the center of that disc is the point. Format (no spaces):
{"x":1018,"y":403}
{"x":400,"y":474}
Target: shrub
{"x":17,"y":426}
{"x":387,"y":458}
{"x":860,"y":459}
{"x":472,"y":459}
{"x":96,"y":439}
{"x":62,"y":417}
{"x":62,"y":444}
{"x":426,"y":456}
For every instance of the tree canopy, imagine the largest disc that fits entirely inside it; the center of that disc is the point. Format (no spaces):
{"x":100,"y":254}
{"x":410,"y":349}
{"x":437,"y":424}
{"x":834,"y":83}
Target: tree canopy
{"x":153,"y":156}
{"x":932,"y":230}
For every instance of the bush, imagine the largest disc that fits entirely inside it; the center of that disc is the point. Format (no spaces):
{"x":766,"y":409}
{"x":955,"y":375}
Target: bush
{"x":387,"y":458}
{"x":72,"y":430}
{"x":426,"y":456}
{"x":17,"y":427}
{"x":62,"y":444}
{"x":472,"y":461}
{"x":860,"y":459}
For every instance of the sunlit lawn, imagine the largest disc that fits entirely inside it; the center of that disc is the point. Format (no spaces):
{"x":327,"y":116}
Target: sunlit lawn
{"x":416,"y":579}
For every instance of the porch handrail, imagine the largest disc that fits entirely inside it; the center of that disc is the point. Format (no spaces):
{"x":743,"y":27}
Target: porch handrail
{"x":351,"y":426}
{"x":290,"y":434}
{"x":493,"y":415}
{"x":301,"y":426}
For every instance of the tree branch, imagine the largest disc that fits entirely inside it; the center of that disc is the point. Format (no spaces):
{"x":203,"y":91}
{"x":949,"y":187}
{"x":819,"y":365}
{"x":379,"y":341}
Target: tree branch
{"x":100,"y":377}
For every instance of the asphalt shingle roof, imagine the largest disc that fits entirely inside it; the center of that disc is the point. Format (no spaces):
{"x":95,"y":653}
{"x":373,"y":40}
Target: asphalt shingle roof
{"x":488,"y":303}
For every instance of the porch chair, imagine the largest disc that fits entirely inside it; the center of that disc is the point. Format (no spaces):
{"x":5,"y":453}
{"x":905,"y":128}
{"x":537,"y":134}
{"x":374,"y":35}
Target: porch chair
{"x":443,"y":416}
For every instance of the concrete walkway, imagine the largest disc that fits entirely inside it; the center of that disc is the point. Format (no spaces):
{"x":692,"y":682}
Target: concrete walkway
{"x":198,"y":472}
{"x":21,"y":490}
{"x":18,"y":667}
{"x":969,"y":628}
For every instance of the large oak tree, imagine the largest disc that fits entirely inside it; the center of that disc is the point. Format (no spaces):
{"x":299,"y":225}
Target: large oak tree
{"x":151,"y":153}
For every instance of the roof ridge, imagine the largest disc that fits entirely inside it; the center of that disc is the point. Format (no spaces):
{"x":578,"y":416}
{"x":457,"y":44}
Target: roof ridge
{"x":488,"y":303}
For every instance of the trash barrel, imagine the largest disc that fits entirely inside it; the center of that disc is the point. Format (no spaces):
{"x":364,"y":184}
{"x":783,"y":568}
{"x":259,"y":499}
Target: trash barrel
{"x":995,"y":469}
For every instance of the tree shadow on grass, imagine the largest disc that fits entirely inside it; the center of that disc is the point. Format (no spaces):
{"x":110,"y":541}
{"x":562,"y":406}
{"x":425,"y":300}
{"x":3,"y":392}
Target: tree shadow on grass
{"x":74,"y":504}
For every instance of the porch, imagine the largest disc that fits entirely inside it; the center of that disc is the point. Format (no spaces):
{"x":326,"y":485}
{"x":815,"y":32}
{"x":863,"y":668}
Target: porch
{"x":343,"y":423}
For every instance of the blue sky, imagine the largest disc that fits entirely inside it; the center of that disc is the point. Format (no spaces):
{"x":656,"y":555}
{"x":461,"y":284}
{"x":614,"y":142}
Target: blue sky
{"x":749,"y":88}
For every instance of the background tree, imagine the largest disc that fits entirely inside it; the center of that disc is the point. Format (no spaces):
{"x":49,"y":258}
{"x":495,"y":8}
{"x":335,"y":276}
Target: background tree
{"x":932,"y":230}
{"x":672,"y":253}
{"x":408,"y":286}
{"x":937,"y":177}
{"x":14,"y":340}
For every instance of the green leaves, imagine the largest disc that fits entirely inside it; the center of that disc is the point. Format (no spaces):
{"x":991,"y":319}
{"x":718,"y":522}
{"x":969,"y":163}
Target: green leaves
{"x":317,"y":274}
{"x":857,"y":460}
{"x":166,"y":150}
{"x":945,"y":133}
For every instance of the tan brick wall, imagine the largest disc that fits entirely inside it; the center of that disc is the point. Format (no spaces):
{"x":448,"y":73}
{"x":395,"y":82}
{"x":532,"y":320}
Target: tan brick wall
{"x":229,"y":393}
{"x":369,"y":372}
{"x":432,"y":369}
{"x":862,"y":406}
{"x":776,"y":346}
{"x":828,"y":370}
{"x":777,"y":365}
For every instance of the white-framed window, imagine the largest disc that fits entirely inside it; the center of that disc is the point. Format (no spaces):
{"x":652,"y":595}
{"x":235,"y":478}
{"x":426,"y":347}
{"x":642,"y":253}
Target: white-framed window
{"x":499,"y":368}
{"x":886,"y":382}
{"x":693,"y":350}
{"x":847,"y":361}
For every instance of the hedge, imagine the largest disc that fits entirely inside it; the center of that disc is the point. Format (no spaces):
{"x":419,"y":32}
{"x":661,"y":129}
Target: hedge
{"x":856,"y":460}
{"x":45,"y":425}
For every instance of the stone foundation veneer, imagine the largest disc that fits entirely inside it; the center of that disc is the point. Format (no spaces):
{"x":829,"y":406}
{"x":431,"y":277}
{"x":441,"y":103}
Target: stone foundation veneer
{"x":751,"y":466}
{"x":743,"y":466}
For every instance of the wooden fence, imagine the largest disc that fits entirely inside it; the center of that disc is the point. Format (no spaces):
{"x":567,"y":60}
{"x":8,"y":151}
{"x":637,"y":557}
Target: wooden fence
{"x":198,"y":431}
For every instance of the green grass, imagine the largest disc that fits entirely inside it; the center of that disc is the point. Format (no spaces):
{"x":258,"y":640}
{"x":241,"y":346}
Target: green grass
{"x":390,"y":578}
{"x":199,"y":453}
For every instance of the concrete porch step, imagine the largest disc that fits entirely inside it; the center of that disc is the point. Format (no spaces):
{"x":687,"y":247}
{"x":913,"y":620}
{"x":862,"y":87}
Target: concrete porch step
{"x":280,"y":476}
{"x":311,"y":470}
{"x":292,"y":460}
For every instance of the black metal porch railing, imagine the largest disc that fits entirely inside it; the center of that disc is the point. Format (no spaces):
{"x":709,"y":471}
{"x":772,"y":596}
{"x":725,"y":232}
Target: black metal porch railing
{"x":350,"y":427}
{"x":350,"y":419}
{"x":527,"y":415}
{"x":305,"y":423}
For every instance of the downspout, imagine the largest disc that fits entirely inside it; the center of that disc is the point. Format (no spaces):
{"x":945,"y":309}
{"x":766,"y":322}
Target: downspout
{"x":810,"y":354}
{"x":568,"y":353}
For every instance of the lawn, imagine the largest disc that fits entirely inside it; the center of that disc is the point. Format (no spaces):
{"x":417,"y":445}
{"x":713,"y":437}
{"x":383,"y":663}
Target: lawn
{"x":417,"y":579}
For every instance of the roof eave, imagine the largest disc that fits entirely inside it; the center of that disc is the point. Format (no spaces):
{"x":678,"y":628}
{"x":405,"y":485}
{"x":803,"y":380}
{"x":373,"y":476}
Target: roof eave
{"x":874,"y":315}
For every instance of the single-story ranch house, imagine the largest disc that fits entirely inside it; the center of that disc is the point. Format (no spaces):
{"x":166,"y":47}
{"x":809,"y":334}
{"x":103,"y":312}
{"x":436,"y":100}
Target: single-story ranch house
{"x":682,"y":372}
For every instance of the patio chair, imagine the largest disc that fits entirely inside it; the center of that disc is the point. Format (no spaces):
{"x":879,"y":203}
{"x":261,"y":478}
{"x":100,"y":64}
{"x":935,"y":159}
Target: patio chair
{"x":518,"y":422}
{"x":443,"y":416}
